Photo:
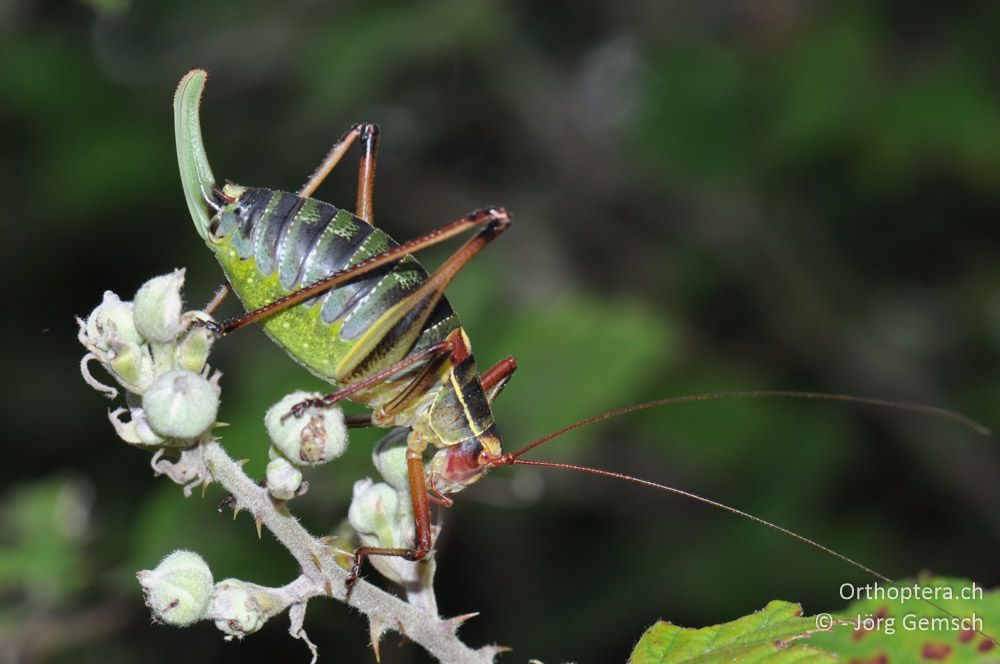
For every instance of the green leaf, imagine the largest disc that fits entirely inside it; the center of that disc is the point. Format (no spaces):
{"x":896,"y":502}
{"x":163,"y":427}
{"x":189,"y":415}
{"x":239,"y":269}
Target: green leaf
{"x":772,"y":634}
{"x":899,"y":638}
{"x":43,"y":528}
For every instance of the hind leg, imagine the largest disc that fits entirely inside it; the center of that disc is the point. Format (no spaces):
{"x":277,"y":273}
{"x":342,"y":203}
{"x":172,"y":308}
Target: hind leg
{"x":367,"y":133}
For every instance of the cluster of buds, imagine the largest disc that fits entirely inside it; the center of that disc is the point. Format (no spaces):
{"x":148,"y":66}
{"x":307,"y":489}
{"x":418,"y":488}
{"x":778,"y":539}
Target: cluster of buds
{"x":180,"y":591}
{"x":381,"y":513}
{"x":159,"y":356}
{"x":316,"y":437}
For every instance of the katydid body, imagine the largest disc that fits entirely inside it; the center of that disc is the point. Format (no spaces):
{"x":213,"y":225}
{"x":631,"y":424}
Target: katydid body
{"x":355,"y":308}
{"x":272,"y":243}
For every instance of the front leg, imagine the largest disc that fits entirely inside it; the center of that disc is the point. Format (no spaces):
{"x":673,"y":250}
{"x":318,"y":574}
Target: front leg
{"x":217,"y":299}
{"x":421,"y":519}
{"x":437,"y":350}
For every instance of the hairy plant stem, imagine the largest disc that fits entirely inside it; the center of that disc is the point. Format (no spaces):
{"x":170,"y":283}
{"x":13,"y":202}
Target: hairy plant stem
{"x":321,"y":575}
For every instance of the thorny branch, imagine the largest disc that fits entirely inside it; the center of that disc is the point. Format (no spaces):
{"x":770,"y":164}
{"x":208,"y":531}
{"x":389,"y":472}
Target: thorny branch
{"x":322,"y":576}
{"x":159,"y":356}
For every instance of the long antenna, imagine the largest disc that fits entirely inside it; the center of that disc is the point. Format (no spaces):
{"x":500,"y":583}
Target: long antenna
{"x":923,"y":409}
{"x":707,"y":501}
{"x":514,"y":459}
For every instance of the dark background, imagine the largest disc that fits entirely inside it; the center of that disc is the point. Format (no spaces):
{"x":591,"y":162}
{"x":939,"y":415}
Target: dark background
{"x":713,"y":195}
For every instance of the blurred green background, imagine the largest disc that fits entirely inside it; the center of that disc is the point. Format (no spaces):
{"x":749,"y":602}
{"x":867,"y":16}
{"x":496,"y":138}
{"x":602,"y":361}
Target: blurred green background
{"x":713,"y":195}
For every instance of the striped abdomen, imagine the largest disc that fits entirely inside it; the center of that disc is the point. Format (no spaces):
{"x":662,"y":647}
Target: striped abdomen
{"x":272,"y":243}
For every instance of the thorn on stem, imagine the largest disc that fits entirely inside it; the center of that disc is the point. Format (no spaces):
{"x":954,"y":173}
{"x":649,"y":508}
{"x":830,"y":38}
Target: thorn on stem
{"x":493,"y":651}
{"x":375,"y":631}
{"x":457,"y":621}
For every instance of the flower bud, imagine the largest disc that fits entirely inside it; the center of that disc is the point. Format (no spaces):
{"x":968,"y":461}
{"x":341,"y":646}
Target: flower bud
{"x":283,"y":479}
{"x":132,"y":365}
{"x":179,"y":589}
{"x":320,"y":435}
{"x":181,"y":404}
{"x":193,"y":348}
{"x":375,"y":511}
{"x":112,"y":318}
{"x":389,"y":457}
{"x":382,"y":516}
{"x":136,"y":431}
{"x":109,"y":333}
{"x":157,"y":307}
{"x":240,"y":608}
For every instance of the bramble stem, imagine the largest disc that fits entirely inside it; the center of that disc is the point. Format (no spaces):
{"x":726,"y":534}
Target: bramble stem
{"x":322,"y":576}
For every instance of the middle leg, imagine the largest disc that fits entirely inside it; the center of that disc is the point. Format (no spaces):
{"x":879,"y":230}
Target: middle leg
{"x":435,"y":351}
{"x":493,"y":380}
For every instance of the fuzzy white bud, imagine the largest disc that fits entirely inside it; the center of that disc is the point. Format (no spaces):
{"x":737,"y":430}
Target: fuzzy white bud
{"x":136,"y":431}
{"x":193,"y":348}
{"x":179,"y":589}
{"x":112,"y":318}
{"x":383,"y":516}
{"x":240,"y":608}
{"x":109,"y":333}
{"x":181,"y":404}
{"x":320,"y":435}
{"x":389,"y":457}
{"x":133,"y":366}
{"x":283,"y":479}
{"x":157,"y":307}
{"x":375,"y":510}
